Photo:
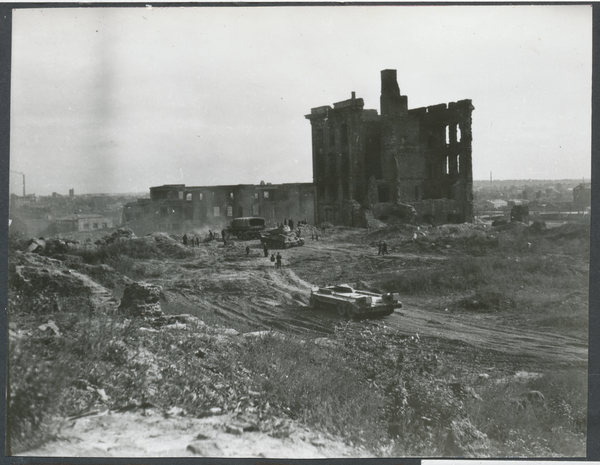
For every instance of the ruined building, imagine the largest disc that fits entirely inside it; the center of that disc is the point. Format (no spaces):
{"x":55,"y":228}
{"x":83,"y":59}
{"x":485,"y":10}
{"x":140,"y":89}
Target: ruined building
{"x":398,"y":164}
{"x":181,"y":208}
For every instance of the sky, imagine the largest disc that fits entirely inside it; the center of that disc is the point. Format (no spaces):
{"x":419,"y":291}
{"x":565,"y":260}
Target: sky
{"x":116,"y":100}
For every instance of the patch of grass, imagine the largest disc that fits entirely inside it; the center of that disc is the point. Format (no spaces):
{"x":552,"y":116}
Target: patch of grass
{"x":553,"y":427}
{"x":392,"y":394}
{"x":317,"y":386}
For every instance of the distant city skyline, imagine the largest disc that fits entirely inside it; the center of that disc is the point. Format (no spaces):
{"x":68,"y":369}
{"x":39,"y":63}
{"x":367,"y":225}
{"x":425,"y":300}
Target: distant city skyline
{"x":116,"y":100}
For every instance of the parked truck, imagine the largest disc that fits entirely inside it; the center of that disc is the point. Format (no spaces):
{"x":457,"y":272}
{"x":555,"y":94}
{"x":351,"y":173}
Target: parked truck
{"x":246,"y":228}
{"x":352,"y":303}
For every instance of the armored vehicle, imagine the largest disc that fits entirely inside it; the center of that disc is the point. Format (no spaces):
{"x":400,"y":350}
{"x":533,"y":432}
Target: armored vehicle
{"x":353,"y":303}
{"x":281,"y":238}
{"x":246,"y":228}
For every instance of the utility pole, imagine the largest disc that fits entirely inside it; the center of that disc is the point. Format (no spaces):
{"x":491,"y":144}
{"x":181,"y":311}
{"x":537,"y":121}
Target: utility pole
{"x":23,"y":174}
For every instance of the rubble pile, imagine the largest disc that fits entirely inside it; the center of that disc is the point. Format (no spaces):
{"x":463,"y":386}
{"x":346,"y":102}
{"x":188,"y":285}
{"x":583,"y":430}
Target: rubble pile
{"x":167,"y":245}
{"x":142,"y":299}
{"x":40,"y":284}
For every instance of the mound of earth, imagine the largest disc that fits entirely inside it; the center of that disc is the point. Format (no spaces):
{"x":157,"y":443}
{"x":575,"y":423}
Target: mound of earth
{"x":43,"y":284}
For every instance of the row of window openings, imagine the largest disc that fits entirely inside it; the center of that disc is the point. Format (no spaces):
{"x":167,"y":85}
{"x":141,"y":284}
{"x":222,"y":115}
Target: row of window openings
{"x":431,"y":167}
{"x":94,"y":225}
{"x":344,"y":133}
{"x":216,"y":212}
{"x":432,"y":139}
{"x":188,"y":197}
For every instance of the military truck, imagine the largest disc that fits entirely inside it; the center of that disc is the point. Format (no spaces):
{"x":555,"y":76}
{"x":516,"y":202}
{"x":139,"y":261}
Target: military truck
{"x":246,"y":228}
{"x":352,"y":303}
{"x":281,"y":238}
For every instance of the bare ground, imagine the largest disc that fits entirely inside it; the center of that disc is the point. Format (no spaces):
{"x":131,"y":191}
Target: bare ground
{"x":223,"y":285}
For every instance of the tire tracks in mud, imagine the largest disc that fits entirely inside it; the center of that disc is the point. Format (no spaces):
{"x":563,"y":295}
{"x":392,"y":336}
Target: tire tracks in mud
{"x":251,"y":291}
{"x":535,"y":344}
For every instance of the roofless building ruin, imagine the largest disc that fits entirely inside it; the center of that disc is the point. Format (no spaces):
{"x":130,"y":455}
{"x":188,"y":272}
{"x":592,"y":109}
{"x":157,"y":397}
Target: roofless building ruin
{"x":365,"y":163}
{"x":400,"y":164}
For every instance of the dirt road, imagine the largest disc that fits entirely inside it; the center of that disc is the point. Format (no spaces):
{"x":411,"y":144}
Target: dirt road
{"x":249,"y":293}
{"x":223,"y":285}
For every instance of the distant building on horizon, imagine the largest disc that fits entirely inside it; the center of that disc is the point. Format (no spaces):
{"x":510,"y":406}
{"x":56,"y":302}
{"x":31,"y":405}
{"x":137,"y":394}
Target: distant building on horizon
{"x":82,"y":222}
{"x":582,"y":196}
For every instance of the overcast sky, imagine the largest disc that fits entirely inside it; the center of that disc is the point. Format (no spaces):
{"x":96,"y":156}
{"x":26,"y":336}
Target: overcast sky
{"x":118,"y":100}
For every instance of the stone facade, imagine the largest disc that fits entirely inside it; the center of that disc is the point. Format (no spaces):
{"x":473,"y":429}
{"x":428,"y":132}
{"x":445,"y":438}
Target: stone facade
{"x":181,"y":208}
{"x":402,"y":164}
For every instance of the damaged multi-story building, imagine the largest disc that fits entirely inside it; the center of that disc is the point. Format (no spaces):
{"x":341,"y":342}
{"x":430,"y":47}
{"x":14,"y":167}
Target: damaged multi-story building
{"x":398,"y":164}
{"x":180,"y":208}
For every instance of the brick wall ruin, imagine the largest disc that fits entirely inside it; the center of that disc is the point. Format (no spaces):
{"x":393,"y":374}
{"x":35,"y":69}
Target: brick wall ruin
{"x":400,"y":164}
{"x":180,"y":208}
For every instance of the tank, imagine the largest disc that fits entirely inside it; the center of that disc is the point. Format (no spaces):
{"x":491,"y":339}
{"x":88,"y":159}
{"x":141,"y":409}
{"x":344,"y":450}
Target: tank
{"x":246,"y":228}
{"x":281,"y":238}
{"x":352,"y":303}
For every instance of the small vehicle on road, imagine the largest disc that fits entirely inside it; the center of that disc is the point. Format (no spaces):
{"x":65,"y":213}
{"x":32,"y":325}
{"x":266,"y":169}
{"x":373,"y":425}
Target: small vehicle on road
{"x":353,"y":303}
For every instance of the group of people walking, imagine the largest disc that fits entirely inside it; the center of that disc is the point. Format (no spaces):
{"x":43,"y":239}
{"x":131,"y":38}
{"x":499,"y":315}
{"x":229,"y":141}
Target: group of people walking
{"x":192,"y":240}
{"x":290,"y":223}
{"x":275,"y":260}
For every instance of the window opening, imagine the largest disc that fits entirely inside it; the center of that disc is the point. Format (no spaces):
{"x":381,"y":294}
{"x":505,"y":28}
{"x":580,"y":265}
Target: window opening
{"x":344,"y":135}
{"x":383,"y":193}
{"x":447,"y":134}
{"x":217,"y":211}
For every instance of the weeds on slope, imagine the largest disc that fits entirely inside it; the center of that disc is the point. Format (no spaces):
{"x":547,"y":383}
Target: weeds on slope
{"x":393,"y":395}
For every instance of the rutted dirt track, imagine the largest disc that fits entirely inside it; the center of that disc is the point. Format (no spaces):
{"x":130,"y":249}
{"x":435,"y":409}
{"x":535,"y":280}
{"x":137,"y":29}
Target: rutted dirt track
{"x":225,"y":285}
{"x":249,"y":290}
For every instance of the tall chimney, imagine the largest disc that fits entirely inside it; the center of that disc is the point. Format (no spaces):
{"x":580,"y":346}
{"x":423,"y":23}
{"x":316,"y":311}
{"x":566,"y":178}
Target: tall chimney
{"x":392,"y":103}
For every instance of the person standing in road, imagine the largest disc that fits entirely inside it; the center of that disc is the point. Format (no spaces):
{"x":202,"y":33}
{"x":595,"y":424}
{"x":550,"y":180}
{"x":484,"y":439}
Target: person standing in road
{"x":266,"y":250}
{"x":278,"y":260}
{"x":273,"y":259}
{"x":384,"y":249}
{"x":247,"y":250}
{"x":185,"y":239}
